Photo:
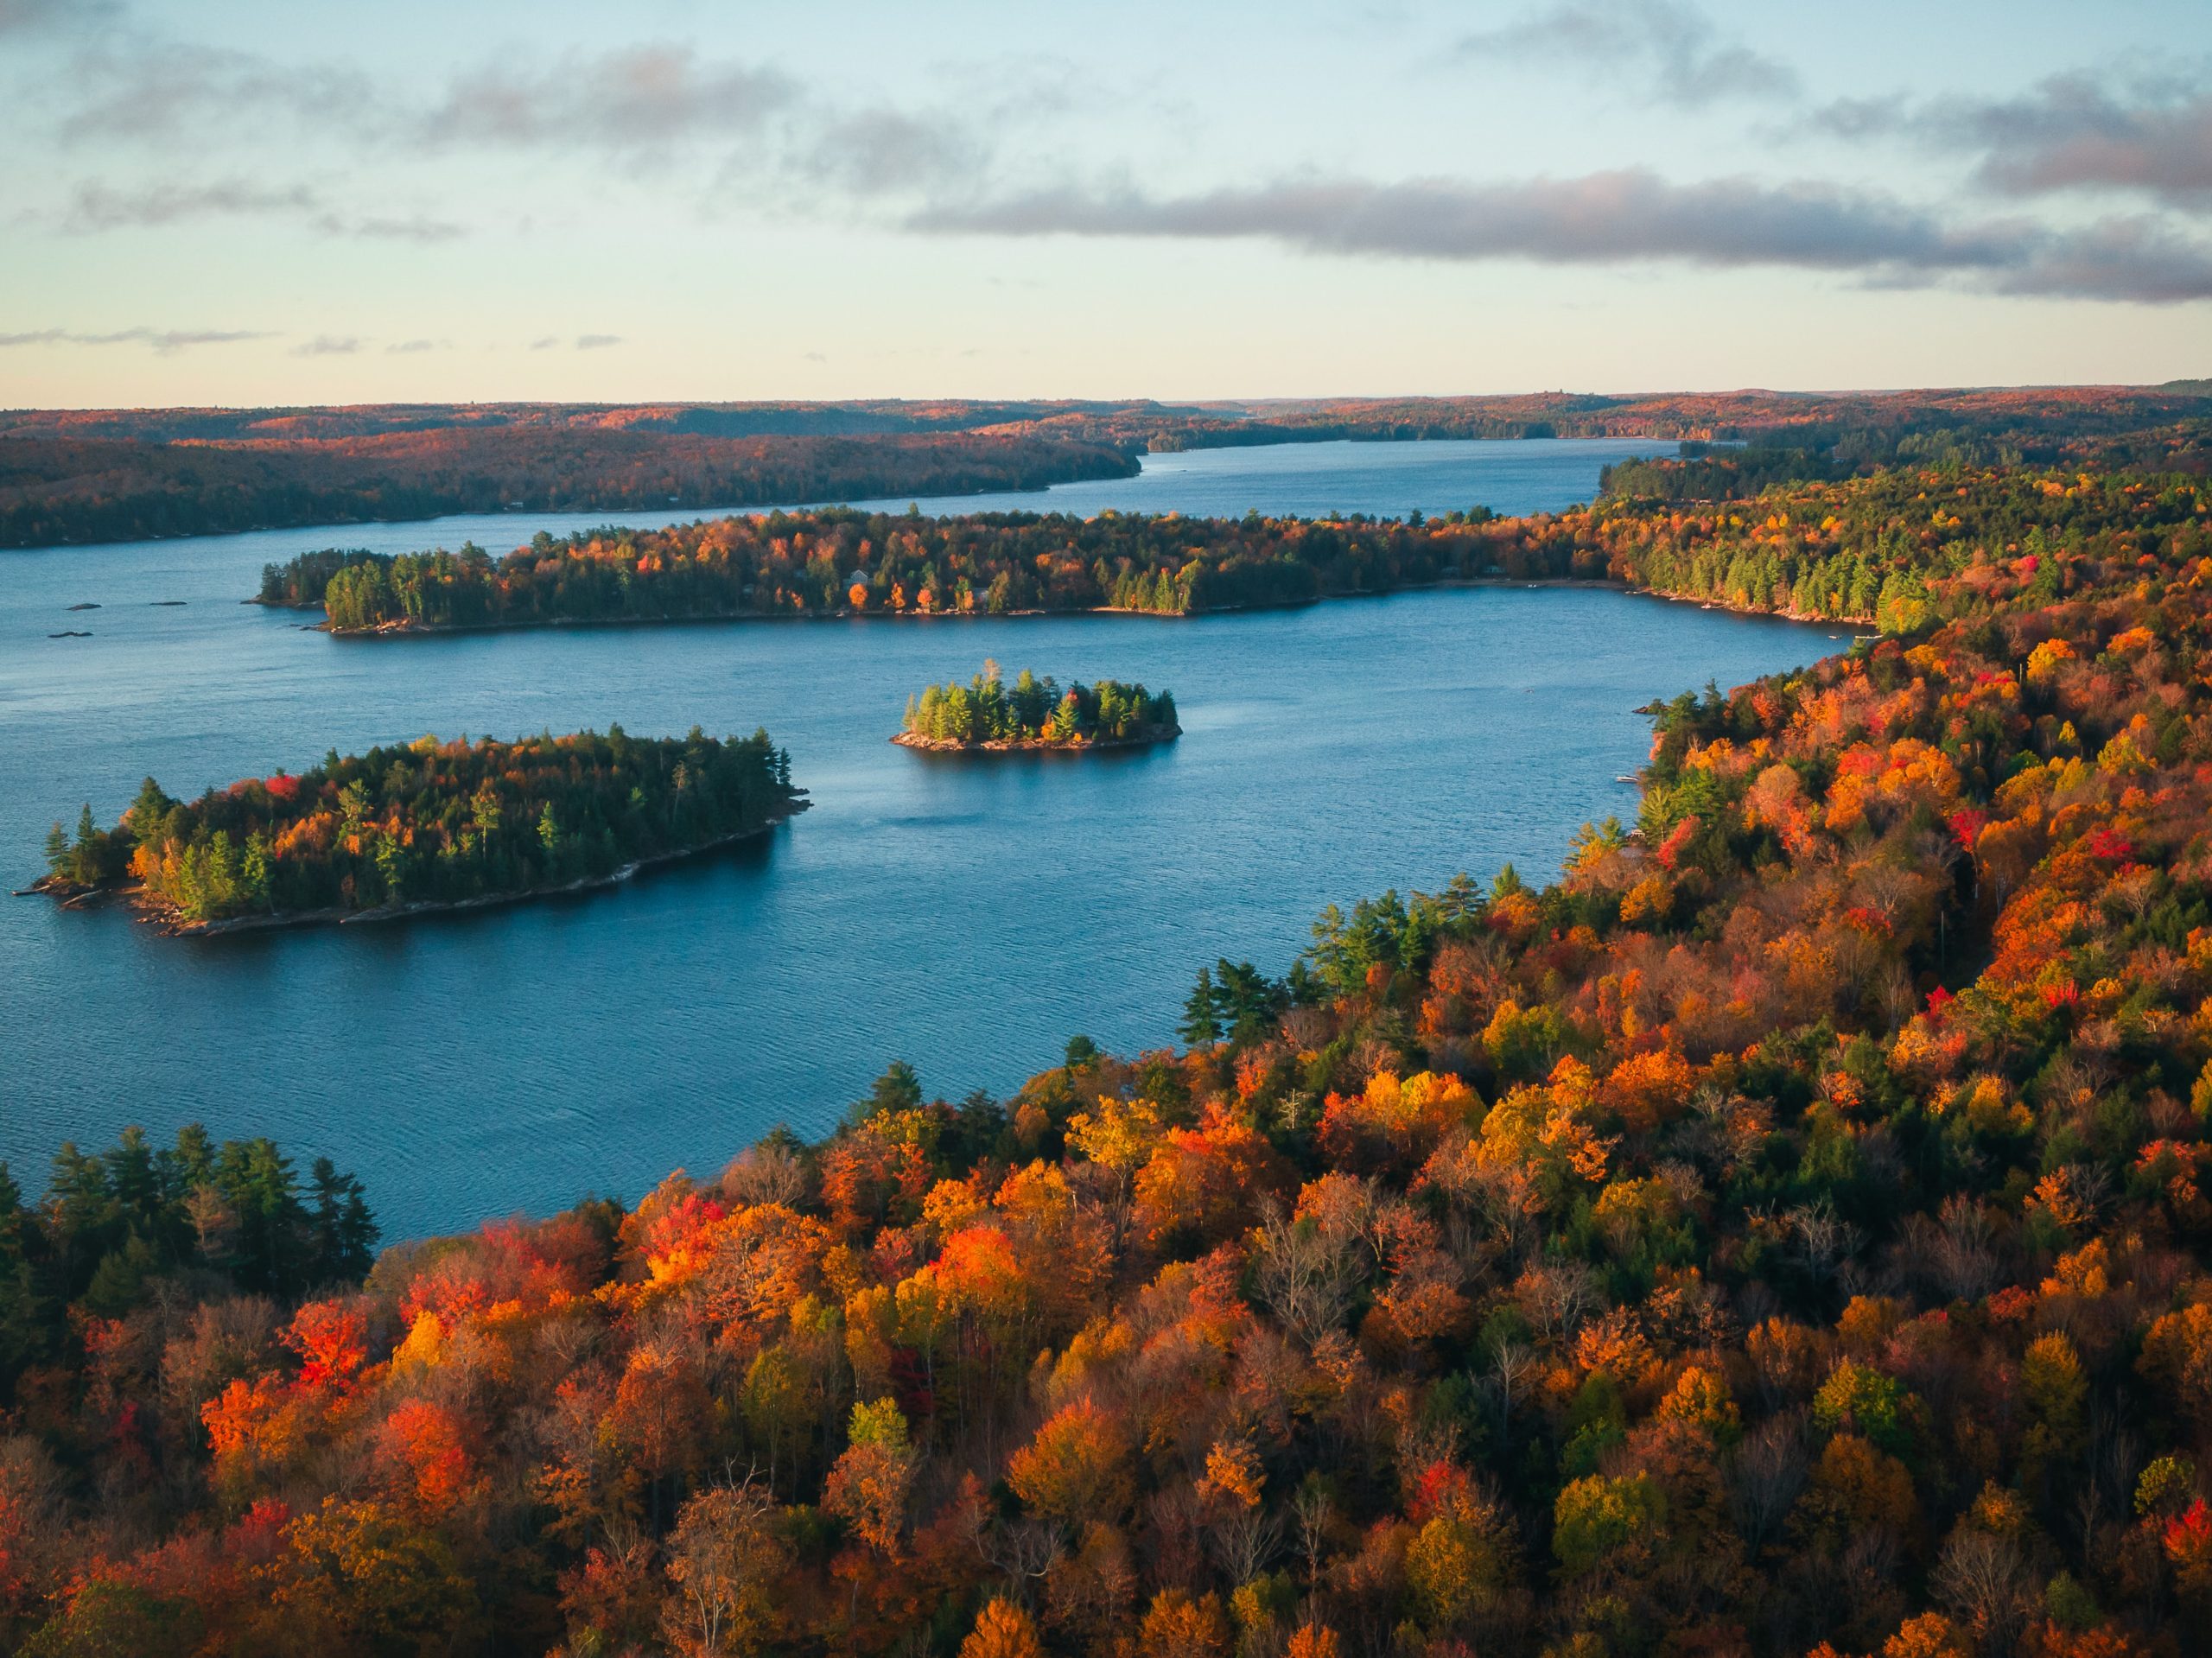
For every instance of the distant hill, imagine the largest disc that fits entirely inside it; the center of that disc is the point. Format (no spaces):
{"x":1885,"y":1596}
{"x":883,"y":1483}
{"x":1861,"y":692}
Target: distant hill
{"x":60,"y":489}
{"x":74,"y":475}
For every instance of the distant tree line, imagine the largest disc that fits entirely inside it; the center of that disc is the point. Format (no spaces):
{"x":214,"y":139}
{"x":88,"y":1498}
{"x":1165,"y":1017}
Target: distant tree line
{"x":74,"y":475}
{"x":55,"y":489}
{"x":2167,"y":427}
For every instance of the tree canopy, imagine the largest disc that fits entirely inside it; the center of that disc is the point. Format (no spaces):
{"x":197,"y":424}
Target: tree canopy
{"x":1787,"y":1233}
{"x":431,"y":822}
{"x":1035,"y":713}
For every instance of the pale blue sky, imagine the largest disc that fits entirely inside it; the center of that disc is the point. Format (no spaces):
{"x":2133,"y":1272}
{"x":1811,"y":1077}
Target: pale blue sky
{"x":228,"y":201}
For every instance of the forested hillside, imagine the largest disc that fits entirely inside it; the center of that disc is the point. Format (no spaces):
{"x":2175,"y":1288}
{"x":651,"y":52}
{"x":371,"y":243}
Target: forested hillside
{"x":1786,"y":1233}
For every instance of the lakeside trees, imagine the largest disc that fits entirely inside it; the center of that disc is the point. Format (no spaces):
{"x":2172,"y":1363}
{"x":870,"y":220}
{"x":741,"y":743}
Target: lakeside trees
{"x":1861,"y":549}
{"x":120,"y":1227}
{"x":1786,"y":1234}
{"x":1037,"y":713}
{"x":432,"y":822}
{"x":831,"y":562}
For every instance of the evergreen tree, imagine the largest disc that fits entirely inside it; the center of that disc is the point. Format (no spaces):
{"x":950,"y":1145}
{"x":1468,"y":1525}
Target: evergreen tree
{"x":148,"y":810}
{"x":898,"y":1089}
{"x":1200,"y":1022}
{"x":341,"y":1233}
{"x":191,"y":1165}
{"x":81,"y":1215}
{"x":257,"y":1185}
{"x":24,"y":1330}
{"x":88,"y":861}
{"x":1248,"y":1001}
{"x":134,"y":1183}
{"x":119,"y":1282}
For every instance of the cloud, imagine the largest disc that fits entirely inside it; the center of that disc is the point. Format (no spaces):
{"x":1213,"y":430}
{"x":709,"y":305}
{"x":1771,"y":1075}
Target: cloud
{"x":545,"y":342}
{"x":95,"y":208}
{"x":641,"y":98}
{"x":1855,"y":118}
{"x":24,"y":16}
{"x":2120,"y":258}
{"x":887,"y":151}
{"x":1624,"y":217}
{"x":597,"y":341}
{"x":1672,"y":43}
{"x":165,"y":341}
{"x":371,"y":227}
{"x":324,"y":345}
{"x":760,"y":133}
{"x":410,"y":347}
{"x":175,"y":91}
{"x":2071,"y":133}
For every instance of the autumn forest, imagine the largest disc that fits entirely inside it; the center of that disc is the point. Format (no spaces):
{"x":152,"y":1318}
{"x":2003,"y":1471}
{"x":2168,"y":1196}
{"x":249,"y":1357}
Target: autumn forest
{"x":429,"y":825}
{"x":1035,"y":713}
{"x":1787,"y":1233}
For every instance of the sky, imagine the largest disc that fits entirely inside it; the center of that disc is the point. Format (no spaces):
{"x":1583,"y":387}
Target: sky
{"x":229,"y":202}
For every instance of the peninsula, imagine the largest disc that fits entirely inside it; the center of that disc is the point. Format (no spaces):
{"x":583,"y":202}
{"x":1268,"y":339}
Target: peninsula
{"x":424,"y":825}
{"x":985,"y":715}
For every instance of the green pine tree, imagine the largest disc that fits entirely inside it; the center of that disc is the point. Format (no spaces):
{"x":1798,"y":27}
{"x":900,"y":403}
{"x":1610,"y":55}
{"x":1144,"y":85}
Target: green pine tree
{"x":1201,"y":1022}
{"x":341,"y":1233}
{"x":86,"y":858}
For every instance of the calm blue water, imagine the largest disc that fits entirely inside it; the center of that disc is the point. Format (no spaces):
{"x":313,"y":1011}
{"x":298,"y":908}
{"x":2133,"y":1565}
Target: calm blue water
{"x":1319,"y":479}
{"x":967,"y":917}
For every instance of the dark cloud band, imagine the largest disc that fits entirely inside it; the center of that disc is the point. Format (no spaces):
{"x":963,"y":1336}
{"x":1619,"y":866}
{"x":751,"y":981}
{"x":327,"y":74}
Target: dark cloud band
{"x":1628,"y":216}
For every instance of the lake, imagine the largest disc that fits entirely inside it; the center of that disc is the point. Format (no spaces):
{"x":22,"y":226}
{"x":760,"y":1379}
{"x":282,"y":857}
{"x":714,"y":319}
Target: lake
{"x":966,"y":916}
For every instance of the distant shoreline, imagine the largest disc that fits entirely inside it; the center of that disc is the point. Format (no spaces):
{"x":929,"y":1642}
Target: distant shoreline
{"x":1089,"y":468}
{"x":413,"y":630}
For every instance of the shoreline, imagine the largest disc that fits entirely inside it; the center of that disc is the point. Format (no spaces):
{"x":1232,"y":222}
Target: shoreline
{"x":1279,"y":437}
{"x":1152,"y":736}
{"x":611,"y":514}
{"x":163,"y":918}
{"x":409,"y":629}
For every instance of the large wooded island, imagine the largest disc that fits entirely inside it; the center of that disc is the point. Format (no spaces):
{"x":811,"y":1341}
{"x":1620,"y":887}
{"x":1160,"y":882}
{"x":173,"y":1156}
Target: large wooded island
{"x":424,"y":825}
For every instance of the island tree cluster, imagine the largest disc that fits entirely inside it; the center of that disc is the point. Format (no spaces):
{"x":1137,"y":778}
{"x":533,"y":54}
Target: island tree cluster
{"x":1786,"y":1234}
{"x":1036,"y":713}
{"x":432,"y":822}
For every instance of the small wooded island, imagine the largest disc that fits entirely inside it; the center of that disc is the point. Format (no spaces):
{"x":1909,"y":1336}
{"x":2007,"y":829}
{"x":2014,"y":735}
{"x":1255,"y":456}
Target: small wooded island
{"x":423,"y":826}
{"x":985,"y":715}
